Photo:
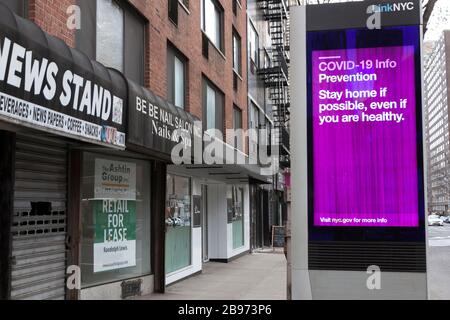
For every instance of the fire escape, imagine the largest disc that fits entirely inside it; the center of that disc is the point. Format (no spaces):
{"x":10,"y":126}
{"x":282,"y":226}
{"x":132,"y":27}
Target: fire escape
{"x":275,"y":72}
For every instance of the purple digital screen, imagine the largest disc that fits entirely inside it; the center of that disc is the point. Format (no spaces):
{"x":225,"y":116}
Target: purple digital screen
{"x":365,"y":165}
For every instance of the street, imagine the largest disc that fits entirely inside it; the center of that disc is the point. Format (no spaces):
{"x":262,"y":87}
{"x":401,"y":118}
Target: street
{"x":439,"y":262}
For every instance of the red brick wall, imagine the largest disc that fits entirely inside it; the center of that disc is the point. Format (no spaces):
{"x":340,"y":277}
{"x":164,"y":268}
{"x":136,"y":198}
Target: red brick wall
{"x":51,"y":16}
{"x":187,"y":38}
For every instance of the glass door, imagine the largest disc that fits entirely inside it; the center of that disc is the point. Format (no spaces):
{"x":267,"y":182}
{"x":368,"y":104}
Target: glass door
{"x":178,"y":223}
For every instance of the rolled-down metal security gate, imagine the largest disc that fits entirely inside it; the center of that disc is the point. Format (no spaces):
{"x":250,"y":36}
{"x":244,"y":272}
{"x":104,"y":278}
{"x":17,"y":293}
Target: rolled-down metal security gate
{"x":38,"y":258}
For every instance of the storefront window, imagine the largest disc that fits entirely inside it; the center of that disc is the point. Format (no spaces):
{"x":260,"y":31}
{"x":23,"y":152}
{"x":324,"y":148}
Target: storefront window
{"x":115,"y":213}
{"x":235,"y":203}
{"x":178,"y":223}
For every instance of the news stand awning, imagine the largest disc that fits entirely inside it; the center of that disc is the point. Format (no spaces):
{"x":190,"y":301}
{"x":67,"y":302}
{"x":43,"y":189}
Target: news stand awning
{"x":48,"y":86}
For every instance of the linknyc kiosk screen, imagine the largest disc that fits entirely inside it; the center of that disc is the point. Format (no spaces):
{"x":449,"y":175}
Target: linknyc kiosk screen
{"x":364,"y":122}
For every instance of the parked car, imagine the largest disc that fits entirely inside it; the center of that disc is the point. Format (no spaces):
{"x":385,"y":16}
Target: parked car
{"x":435,"y":220}
{"x":445,"y":219}
{"x":169,"y":221}
{"x":177,"y":222}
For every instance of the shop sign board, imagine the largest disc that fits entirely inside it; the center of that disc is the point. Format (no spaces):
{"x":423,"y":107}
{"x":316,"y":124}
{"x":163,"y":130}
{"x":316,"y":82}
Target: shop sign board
{"x":158,"y":125}
{"x":46,"y":85}
{"x":115,"y":180}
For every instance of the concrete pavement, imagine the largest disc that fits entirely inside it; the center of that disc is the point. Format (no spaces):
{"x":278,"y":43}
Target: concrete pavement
{"x":262,"y":276}
{"x":258,"y":276}
{"x":439,"y":262}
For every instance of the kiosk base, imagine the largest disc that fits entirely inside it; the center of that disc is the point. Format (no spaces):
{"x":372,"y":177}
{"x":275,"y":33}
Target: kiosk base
{"x":358,"y":285}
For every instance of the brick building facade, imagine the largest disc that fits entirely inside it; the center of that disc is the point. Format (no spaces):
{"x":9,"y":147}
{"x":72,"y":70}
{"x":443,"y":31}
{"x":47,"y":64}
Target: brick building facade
{"x":186,"y":36}
{"x":144,"y":45}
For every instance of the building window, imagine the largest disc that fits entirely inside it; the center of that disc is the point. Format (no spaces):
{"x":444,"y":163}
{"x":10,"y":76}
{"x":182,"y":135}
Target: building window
{"x":254,"y":125}
{"x":212,"y":22}
{"x":19,"y":7}
{"x":213,"y":107}
{"x":237,"y":49}
{"x":236,"y":5}
{"x":237,"y":125}
{"x":253,"y":46}
{"x":173,"y":11}
{"x":185,"y":3}
{"x":178,"y":223}
{"x":254,"y":116}
{"x":113,"y":33}
{"x":264,"y":124}
{"x":176,"y":77}
{"x":235,"y":209}
{"x":114,"y":214}
{"x":267,"y":60}
{"x":179,"y":87}
{"x":110,"y":37}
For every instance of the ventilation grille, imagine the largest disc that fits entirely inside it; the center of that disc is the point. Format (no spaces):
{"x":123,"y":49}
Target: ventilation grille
{"x":358,"y":256}
{"x":131,"y":288}
{"x":31,"y":224}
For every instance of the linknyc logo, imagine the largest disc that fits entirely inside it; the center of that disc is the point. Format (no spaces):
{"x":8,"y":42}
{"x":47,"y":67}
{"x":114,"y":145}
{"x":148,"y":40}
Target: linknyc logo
{"x":375,"y":11}
{"x":393,"y":7}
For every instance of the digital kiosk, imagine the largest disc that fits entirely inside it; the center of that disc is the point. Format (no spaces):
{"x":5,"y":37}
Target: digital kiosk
{"x":358,"y":205}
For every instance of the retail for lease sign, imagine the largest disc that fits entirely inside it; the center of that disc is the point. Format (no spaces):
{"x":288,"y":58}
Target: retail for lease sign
{"x":114,"y":209}
{"x":115,"y":234}
{"x":115,"y":180}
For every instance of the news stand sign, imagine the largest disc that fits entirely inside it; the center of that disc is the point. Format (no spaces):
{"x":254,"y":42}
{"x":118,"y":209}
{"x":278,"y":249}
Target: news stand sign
{"x":361,"y":87}
{"x":47,"y":90}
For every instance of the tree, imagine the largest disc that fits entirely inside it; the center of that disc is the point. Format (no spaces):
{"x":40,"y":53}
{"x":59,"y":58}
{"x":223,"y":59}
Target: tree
{"x":428,"y":7}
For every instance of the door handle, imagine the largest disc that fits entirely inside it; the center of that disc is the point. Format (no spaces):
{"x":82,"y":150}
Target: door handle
{"x":68,"y":242}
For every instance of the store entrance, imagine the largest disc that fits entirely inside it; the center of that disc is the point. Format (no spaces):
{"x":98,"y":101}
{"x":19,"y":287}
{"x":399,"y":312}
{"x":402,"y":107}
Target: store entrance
{"x":39,"y":227}
{"x":178,"y":224}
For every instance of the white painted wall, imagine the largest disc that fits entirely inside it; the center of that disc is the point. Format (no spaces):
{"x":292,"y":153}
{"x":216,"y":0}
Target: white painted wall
{"x":220,"y":231}
{"x":217,"y":221}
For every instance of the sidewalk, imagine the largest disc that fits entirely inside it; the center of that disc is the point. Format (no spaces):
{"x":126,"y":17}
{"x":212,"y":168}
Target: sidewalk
{"x":259,"y":276}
